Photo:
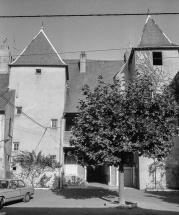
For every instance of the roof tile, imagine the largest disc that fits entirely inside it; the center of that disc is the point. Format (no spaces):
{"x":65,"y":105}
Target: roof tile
{"x":77,"y":80}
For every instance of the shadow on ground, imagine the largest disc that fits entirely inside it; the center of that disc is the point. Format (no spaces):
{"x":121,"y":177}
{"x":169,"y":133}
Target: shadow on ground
{"x":166,"y":196}
{"x":80,"y":211}
{"x":87,"y":193}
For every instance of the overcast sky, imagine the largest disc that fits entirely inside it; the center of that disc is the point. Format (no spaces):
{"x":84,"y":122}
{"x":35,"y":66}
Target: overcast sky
{"x":70,"y":34}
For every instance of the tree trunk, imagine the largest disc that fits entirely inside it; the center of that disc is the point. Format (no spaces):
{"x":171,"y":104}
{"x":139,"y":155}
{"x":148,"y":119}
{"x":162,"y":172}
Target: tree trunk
{"x":121,"y":186}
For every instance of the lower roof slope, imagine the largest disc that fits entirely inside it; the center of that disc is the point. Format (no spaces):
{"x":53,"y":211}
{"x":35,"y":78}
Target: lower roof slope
{"x":5,"y":98}
{"x":94,"y":68}
{"x":5,"y":93}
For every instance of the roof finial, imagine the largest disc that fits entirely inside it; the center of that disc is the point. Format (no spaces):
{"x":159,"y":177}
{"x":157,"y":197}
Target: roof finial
{"x":42,"y":26}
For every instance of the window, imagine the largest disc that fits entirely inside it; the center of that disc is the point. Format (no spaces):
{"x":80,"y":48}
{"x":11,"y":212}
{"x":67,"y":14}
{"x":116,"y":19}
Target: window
{"x":14,"y":168}
{"x":70,"y":158}
{"x":16,"y":146}
{"x":157,"y":58}
{"x":53,"y":157}
{"x":14,"y":184}
{"x":21,"y":184}
{"x":38,"y":72}
{"x":3,"y":184}
{"x":54,"y":123}
{"x":19,"y":110}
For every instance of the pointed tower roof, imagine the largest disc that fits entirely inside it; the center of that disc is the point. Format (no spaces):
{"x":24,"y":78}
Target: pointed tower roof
{"x":40,"y":52}
{"x":153,"y":36}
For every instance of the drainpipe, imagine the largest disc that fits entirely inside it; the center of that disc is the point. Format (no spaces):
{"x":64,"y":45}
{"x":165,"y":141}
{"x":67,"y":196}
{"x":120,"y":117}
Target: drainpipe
{"x":61,"y":153}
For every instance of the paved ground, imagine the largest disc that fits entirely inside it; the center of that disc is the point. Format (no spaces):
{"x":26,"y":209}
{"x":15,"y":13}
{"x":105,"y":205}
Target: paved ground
{"x":91,"y":200}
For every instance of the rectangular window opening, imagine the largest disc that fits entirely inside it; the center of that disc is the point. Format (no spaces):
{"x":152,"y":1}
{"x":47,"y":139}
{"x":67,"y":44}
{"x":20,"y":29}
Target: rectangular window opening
{"x":53,"y":157}
{"x":54,"y":123}
{"x":19,"y":110}
{"x":16,"y":146}
{"x":157,"y":59}
{"x":38,"y":71}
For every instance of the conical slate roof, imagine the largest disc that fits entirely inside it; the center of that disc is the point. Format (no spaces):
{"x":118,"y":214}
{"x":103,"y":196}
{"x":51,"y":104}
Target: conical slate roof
{"x":153,"y":36}
{"x":40,"y":52}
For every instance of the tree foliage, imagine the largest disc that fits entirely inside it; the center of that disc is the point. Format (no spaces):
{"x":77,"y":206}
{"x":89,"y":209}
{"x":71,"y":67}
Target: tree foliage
{"x":116,"y":121}
{"x":34,"y":166}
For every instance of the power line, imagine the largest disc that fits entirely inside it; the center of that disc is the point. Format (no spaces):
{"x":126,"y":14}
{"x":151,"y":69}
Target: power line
{"x":41,"y":139}
{"x":85,"y":15}
{"x":22,"y":112}
{"x":73,"y":52}
{"x":53,"y":138}
{"x":34,"y":132}
{"x":33,"y":121}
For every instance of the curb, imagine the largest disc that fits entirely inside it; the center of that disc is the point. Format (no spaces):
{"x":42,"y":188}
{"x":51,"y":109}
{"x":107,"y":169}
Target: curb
{"x":41,"y":188}
{"x":122,"y":206}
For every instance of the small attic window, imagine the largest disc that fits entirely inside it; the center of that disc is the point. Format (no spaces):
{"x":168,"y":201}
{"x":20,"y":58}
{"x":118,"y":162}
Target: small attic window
{"x":157,"y":58}
{"x":38,"y":72}
{"x":18,"y":110}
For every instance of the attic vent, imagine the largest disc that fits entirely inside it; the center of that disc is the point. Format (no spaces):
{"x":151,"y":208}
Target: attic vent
{"x":38,"y":72}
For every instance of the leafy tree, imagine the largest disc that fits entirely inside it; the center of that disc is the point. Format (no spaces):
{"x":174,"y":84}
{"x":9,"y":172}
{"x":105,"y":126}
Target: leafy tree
{"x":34,"y":166}
{"x":115,"y":122}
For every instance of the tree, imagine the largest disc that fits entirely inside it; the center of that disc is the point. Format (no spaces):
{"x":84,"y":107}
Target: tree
{"x":115,"y":122}
{"x":34,"y":166}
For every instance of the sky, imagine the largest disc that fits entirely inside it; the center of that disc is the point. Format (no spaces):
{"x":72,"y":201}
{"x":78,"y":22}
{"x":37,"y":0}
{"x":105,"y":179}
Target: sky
{"x":76,"y":34}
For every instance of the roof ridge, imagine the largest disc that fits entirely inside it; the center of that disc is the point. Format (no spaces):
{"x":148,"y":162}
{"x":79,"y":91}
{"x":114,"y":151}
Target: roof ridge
{"x":26,"y":47}
{"x":42,"y":30}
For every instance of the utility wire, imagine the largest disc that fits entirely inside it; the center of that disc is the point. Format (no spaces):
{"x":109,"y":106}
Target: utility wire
{"x":31,"y":120}
{"x":53,"y":138}
{"x":86,"y":15}
{"x":34,"y":132}
{"x":73,"y":52}
{"x":41,"y":139}
{"x":22,"y":112}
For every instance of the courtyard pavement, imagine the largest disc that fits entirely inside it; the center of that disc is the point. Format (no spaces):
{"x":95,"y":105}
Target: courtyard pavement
{"x":94,"y":197}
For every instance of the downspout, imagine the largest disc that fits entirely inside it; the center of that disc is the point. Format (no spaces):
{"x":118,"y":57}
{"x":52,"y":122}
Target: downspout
{"x":61,"y":173}
{"x":61,"y":157}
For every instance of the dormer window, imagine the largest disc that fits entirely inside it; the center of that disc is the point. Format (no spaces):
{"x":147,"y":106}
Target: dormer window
{"x":157,"y":59}
{"x":38,"y":72}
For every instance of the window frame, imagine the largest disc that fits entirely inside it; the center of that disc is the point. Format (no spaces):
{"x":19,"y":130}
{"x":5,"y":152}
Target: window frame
{"x":157,"y":60}
{"x":54,"y":121}
{"x":20,"y":108}
{"x":53,"y":157}
{"x":20,"y":186}
{"x":14,"y":168}
{"x":14,"y":143}
{"x":38,"y":71}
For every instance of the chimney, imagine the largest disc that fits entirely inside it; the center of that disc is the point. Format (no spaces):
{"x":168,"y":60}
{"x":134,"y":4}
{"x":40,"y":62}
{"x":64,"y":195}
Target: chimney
{"x":126,"y":56}
{"x":82,"y":62}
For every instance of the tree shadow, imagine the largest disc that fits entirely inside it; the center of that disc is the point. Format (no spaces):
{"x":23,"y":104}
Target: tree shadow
{"x":166,"y":196}
{"x":87,"y":193}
